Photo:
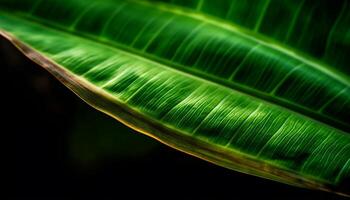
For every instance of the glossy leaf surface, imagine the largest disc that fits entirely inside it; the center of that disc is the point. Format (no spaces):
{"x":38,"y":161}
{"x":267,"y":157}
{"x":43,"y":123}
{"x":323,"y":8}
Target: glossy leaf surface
{"x":238,"y":91}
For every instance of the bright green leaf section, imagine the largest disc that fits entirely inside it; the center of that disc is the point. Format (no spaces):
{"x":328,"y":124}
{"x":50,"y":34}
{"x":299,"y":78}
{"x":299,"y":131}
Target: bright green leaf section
{"x":196,"y":83}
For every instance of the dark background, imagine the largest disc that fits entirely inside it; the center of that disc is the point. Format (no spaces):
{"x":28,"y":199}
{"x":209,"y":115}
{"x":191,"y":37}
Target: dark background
{"x":64,"y":148}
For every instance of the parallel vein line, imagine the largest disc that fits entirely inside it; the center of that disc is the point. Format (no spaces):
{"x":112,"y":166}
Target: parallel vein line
{"x":262,"y":15}
{"x":211,"y":113}
{"x":243,"y":123}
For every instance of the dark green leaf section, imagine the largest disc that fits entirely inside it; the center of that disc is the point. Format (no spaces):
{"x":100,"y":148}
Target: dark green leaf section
{"x":319,"y":28}
{"x":227,"y":90}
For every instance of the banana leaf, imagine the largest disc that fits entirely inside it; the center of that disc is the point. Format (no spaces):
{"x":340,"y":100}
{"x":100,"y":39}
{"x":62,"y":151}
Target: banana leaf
{"x":259,"y":86}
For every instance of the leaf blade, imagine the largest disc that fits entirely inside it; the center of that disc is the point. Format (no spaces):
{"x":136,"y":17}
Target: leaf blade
{"x":140,"y":81}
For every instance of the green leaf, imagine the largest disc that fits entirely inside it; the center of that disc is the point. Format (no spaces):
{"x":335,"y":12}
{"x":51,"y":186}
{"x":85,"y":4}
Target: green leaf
{"x":237,"y":84}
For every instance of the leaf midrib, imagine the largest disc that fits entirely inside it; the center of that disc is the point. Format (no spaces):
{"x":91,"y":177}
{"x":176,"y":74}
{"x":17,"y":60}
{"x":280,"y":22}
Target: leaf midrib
{"x":189,"y":72}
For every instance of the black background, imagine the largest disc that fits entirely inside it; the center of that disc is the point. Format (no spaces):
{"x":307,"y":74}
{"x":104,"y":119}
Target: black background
{"x":59,"y":150}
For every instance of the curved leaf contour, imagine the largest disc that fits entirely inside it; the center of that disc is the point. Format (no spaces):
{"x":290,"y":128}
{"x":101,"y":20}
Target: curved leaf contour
{"x":245,"y":94}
